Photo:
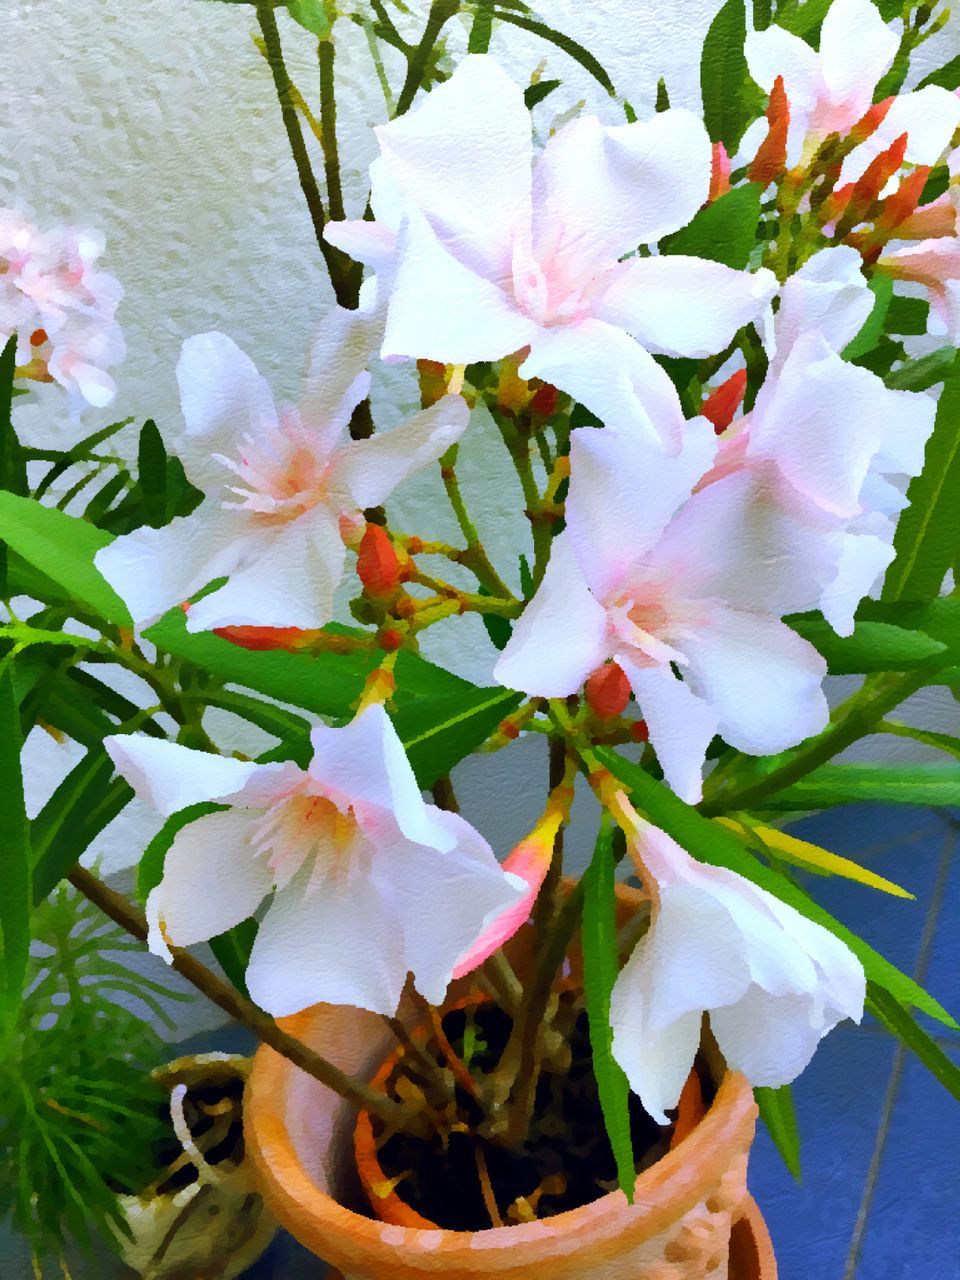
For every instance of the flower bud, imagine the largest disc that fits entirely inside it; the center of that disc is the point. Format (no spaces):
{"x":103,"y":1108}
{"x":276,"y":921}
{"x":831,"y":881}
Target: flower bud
{"x":433,"y":381}
{"x":378,"y":566}
{"x":719,"y":172}
{"x":543,"y":402}
{"x":721,"y":405}
{"x":260,"y":638}
{"x":870,"y":121}
{"x":867,"y":188}
{"x":770,"y":161}
{"x":900,"y":212}
{"x":607,"y":691}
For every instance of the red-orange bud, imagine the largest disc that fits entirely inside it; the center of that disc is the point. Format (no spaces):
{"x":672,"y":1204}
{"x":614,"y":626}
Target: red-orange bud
{"x":639,"y":731}
{"x":38,"y":337}
{"x":721,"y":405}
{"x":260,"y":638}
{"x":871,"y":120}
{"x":378,"y":566}
{"x":543,"y":402}
{"x":899,"y":206}
{"x":607,"y":691}
{"x":389,"y":639}
{"x":771,"y":158}
{"x":867,"y":188}
{"x":719,"y":172}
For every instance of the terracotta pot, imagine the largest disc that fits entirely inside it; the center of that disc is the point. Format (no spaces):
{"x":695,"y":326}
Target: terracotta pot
{"x":692,"y":1218}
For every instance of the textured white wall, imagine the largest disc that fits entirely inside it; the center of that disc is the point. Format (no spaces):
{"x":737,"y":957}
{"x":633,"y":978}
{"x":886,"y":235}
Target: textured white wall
{"x":155,"y":120}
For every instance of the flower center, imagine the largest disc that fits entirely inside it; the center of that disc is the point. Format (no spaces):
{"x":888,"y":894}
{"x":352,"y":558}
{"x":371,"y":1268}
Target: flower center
{"x":545,"y":291}
{"x":281,"y":473}
{"x":305,"y":826}
{"x":641,"y":619}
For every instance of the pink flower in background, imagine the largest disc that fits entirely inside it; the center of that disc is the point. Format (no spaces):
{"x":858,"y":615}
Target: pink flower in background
{"x":675,"y":583}
{"x":369,"y":883}
{"x":773,"y":982}
{"x":502,"y":253}
{"x":60,"y":307}
{"x":830,"y":89}
{"x":936,"y":265}
{"x":279,"y":485}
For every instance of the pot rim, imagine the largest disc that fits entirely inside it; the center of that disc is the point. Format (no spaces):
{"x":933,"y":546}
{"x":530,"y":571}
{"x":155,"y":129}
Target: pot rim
{"x":663,"y":1193}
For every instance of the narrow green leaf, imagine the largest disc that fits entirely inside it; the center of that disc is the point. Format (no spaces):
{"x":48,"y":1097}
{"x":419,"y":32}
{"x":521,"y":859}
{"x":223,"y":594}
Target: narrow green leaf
{"x":929,"y":737}
{"x":891,"y":1014}
{"x":15,"y":874}
{"x":710,"y":843}
{"x":481,"y":29}
{"x":947,"y":76}
{"x":439,"y":733}
{"x":79,"y":453}
{"x":777,"y":1113}
{"x":907,"y":315}
{"x":232,"y":950}
{"x":882,"y":289}
{"x":663,"y":97}
{"x":599,"y":940}
{"x":152,"y":474}
{"x":150,"y":866}
{"x":927,"y":539}
{"x":923,"y":373}
{"x":874,"y":646}
{"x":535,"y":93}
{"x":564,"y":42}
{"x":62,"y":547}
{"x":316,"y":16}
{"x":724,"y":231}
{"x":833,"y":784}
{"x":730,"y":98}
{"x":803,"y":19}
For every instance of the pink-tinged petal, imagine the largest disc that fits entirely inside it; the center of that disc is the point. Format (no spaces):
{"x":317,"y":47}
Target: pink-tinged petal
{"x":776,"y":52}
{"x":370,"y":470}
{"x":856,"y":49}
{"x":474,"y":129}
{"x":609,"y":528}
{"x":440,"y":309}
{"x":761,"y":678}
{"x":286,"y":578}
{"x":172,"y":777}
{"x":821,"y":421}
{"x":372,"y":243}
{"x":365,"y":766}
{"x":337,"y":378}
{"x":680,"y":724}
{"x":829,"y":293}
{"x":223,"y":398}
{"x":612,"y":376}
{"x":154,"y":570}
{"x":560,"y":637}
{"x":337,"y":942}
{"x":908,"y":426}
{"x":862,"y":559}
{"x":211,"y":881}
{"x":929,"y":118}
{"x":599,"y":192}
{"x":747,"y":540}
{"x":445,"y":902}
{"x":682,"y":306}
{"x":528,"y":863}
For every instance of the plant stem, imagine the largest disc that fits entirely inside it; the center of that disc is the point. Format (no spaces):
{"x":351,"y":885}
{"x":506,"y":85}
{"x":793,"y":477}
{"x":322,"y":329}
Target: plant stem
{"x":129,"y":917}
{"x":474,"y":557}
{"x":344,"y":275}
{"x":441,"y":11}
{"x":326,"y":54}
{"x":861,"y":716}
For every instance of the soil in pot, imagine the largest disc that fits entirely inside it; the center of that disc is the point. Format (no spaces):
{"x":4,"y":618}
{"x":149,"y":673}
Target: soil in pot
{"x":565,"y":1161}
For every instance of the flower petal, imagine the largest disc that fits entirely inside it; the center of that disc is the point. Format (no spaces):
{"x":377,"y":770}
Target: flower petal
{"x":609,"y":528}
{"x":171,"y":776}
{"x":211,"y":881}
{"x":370,"y":470}
{"x":441,"y":310}
{"x":856,"y":49}
{"x":337,"y":378}
{"x":776,"y":52}
{"x":828,"y":293}
{"x":372,"y":243}
{"x":928,"y":117}
{"x":681,"y":725}
{"x":761,"y":678}
{"x":682,"y":306}
{"x":863,"y":558}
{"x":771,"y":1039}
{"x":561,"y":635}
{"x":600,"y":191}
{"x":611,"y":375}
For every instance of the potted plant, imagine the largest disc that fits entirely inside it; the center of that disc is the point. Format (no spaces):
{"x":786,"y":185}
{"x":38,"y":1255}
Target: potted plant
{"x":687,"y":335}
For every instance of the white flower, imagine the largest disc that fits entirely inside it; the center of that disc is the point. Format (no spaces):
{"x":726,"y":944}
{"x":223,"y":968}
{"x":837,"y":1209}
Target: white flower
{"x":60,"y":307}
{"x":935,"y":264}
{"x":278,"y":483}
{"x":773,"y":982}
{"x":828,"y":294}
{"x":656,"y":579}
{"x":369,"y":883}
{"x":830,"y":90}
{"x":481,"y":253}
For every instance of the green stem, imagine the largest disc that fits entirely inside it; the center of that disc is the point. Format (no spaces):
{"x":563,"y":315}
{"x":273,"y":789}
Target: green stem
{"x":474,"y":557}
{"x":441,"y":11}
{"x":326,"y":53}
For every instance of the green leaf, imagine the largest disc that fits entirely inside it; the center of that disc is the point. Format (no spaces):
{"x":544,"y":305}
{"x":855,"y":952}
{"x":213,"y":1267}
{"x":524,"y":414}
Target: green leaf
{"x":907,"y":315}
{"x":833,"y":784}
{"x":947,"y":76}
{"x":929,"y":737}
{"x":882,"y":289}
{"x":80,"y":452}
{"x":232,"y":950}
{"x":15,"y":873}
{"x":315,"y":15}
{"x":777,"y":1113}
{"x":564,"y":42}
{"x":891,"y":1014}
{"x":88,"y":798}
{"x":927,"y":539}
{"x":803,"y":19}
{"x":481,"y":30}
{"x":923,"y":373}
{"x":438,"y":733}
{"x":152,"y":474}
{"x":13,"y":468}
{"x":874,"y":646}
{"x":710,"y":843}
{"x":724,"y":231}
{"x":730,"y":98}
{"x":150,"y":866}
{"x":599,"y":940}
{"x":939,"y":618}
{"x":535,"y":93}
{"x":62,"y":547}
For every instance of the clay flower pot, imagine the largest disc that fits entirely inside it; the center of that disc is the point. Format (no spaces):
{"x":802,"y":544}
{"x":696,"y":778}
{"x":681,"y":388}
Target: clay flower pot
{"x":692,"y":1218}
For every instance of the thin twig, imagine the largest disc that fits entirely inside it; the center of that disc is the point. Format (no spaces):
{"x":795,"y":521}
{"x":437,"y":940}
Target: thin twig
{"x":486,"y":1186}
